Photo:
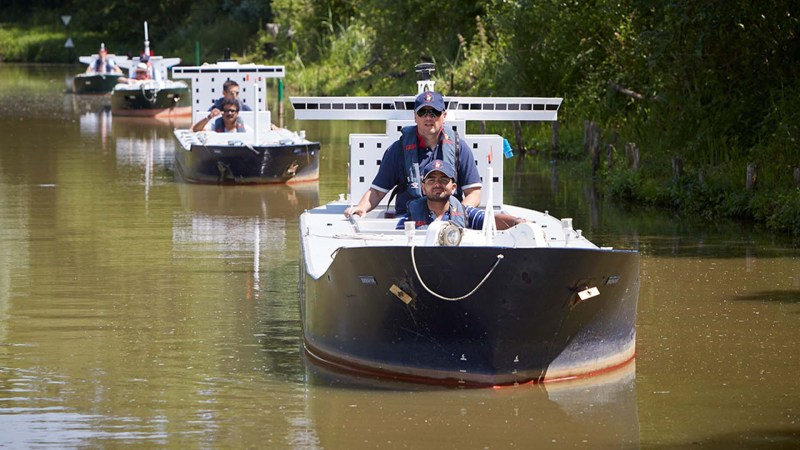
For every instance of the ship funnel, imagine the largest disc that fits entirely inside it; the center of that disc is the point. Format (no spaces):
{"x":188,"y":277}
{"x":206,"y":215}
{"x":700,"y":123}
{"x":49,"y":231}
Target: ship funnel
{"x":425,"y":83}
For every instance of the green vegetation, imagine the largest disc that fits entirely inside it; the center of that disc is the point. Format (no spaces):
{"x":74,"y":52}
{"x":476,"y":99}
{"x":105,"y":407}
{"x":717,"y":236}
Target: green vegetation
{"x":710,"y":86}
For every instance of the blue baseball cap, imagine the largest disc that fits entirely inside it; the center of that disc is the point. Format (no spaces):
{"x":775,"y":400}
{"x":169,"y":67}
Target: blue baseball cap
{"x":438,"y":165}
{"x":428,"y":98}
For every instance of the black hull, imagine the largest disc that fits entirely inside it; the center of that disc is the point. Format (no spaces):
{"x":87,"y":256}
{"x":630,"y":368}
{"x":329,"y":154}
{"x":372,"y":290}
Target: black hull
{"x":238,"y":164}
{"x":95,"y":84}
{"x":525,"y":323}
{"x":151,"y":102}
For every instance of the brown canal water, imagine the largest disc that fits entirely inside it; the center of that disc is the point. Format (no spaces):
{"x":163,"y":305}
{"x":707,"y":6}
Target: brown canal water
{"x":140,"y":311}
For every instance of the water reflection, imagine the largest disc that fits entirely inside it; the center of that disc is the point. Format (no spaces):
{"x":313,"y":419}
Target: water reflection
{"x":144,"y":148}
{"x":231,"y":220}
{"x":349,"y":412}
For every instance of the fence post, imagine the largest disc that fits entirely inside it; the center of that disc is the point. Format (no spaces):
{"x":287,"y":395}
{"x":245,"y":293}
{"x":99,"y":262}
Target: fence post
{"x":632,"y":152}
{"x":518,"y":136}
{"x":591,"y":135}
{"x":750,"y":183}
{"x":611,"y":147}
{"x":555,"y":146}
{"x":677,"y":167}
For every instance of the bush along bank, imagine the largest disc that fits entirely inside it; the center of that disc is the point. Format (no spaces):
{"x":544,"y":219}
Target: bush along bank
{"x":768,"y":194}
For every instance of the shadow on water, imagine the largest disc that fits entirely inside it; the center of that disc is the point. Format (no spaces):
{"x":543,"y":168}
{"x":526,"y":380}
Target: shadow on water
{"x":758,"y":439}
{"x":775,"y":296}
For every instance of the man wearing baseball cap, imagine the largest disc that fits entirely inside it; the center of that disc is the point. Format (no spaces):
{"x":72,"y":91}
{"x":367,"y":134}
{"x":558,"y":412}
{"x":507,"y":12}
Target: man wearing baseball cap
{"x":419,"y":145}
{"x":438,"y":203}
{"x":103,"y":63}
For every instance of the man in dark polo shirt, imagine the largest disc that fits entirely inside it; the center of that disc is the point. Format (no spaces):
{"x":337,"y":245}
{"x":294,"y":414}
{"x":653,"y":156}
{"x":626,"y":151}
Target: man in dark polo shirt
{"x":417,"y":147}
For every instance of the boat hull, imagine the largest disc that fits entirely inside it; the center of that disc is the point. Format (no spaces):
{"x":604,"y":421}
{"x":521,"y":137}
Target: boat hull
{"x":96,"y":84}
{"x":151,"y":102}
{"x":243,"y":164}
{"x":525,"y":323}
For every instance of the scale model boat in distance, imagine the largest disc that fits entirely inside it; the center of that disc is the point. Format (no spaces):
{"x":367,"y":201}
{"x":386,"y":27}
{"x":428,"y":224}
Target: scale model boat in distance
{"x":98,"y":82}
{"x":154,"y":95}
{"x":537,"y":302}
{"x":262,"y":154}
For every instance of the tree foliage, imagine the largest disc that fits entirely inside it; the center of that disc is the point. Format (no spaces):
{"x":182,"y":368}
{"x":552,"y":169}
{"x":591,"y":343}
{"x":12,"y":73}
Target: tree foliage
{"x":713,"y":83}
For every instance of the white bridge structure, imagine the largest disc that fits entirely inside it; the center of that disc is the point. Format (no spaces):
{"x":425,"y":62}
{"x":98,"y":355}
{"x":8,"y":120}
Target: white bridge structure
{"x":366,"y":150}
{"x":207,"y":83}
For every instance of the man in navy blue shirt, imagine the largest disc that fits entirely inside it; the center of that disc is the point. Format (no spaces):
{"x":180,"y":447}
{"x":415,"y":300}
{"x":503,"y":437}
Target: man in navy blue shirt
{"x":230,"y":89}
{"x":438,"y":203}
{"x":418,"y":146}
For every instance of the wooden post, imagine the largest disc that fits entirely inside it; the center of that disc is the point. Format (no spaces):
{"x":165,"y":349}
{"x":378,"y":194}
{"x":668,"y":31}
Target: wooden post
{"x":797,"y":176}
{"x":593,"y":145}
{"x":555,"y":146}
{"x":587,"y":125}
{"x":632,"y":152}
{"x":677,"y":167}
{"x":611,"y":148}
{"x":750,"y":182}
{"x":518,"y":136}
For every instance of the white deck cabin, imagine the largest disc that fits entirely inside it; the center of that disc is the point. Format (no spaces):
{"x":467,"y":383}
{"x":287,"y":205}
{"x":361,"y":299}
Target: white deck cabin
{"x":207,"y":83}
{"x":159,"y":67}
{"x":366,"y":150}
{"x":90,"y":60}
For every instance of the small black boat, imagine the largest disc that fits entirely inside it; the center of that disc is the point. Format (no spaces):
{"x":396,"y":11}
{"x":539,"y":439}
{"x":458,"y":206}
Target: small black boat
{"x":94,"y":83}
{"x":264,"y":154}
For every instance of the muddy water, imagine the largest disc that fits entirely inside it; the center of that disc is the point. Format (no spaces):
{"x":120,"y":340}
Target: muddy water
{"x":137,"y":310}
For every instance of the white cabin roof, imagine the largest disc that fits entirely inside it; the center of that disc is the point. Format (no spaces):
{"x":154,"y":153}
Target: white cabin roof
{"x":366,"y":150}
{"x":88,"y":60}
{"x":159,"y":66}
{"x":402,"y":107}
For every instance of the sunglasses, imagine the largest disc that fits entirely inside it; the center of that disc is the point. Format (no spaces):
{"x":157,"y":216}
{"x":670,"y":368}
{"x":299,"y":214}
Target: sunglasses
{"x":231,"y":111}
{"x":429,"y":112}
{"x":440,"y":180}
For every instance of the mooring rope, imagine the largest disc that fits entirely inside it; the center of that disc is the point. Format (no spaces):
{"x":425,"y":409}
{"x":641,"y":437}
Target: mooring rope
{"x":451,"y":299}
